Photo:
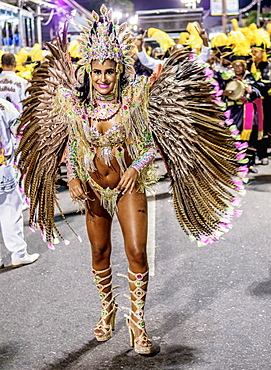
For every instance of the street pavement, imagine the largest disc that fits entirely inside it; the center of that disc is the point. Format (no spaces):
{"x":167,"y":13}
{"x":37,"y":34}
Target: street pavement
{"x":207,"y":308}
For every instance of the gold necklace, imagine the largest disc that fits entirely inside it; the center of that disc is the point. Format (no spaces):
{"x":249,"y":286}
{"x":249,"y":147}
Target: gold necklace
{"x":104,"y":107}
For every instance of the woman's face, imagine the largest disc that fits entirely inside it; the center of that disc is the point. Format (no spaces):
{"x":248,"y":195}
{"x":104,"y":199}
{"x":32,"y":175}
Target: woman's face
{"x":257,"y":53}
{"x":103,"y":76}
{"x":239,"y":68}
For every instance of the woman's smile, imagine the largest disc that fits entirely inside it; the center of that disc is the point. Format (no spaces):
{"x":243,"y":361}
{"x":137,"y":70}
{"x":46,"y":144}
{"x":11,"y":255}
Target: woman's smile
{"x":104,"y":76}
{"x":103,"y":86}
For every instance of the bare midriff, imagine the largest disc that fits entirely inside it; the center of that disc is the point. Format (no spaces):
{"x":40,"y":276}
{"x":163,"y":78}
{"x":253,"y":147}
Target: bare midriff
{"x":107,"y":176}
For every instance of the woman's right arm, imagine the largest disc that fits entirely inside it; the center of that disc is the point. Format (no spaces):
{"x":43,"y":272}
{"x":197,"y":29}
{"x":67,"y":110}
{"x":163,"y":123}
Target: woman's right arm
{"x":74,"y":183}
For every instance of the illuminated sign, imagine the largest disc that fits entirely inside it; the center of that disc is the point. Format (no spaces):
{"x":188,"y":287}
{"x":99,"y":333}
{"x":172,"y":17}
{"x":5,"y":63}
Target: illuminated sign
{"x":232,"y":7}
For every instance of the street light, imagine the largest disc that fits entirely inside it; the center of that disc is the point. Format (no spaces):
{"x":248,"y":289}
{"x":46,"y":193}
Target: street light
{"x":133,"y":20}
{"x":117,"y":15}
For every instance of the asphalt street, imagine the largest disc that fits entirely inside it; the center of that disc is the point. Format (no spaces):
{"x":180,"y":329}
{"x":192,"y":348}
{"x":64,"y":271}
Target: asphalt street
{"x":207,"y":308}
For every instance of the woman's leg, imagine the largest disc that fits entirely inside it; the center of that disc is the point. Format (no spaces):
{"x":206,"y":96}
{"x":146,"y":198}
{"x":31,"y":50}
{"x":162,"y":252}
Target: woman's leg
{"x":99,"y":224}
{"x":133,"y":218}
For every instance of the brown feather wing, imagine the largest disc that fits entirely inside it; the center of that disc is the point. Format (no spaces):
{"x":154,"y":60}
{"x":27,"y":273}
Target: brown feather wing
{"x":44,"y":136}
{"x":197,"y":146}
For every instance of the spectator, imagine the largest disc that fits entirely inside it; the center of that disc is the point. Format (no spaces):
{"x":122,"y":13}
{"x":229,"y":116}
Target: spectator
{"x":151,"y":63}
{"x":12,"y":87}
{"x":11,"y":217}
{"x":246,"y":109}
{"x":260,"y":68}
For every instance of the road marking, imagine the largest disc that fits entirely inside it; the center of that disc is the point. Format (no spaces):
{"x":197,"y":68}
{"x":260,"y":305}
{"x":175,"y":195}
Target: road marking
{"x":151,"y":235}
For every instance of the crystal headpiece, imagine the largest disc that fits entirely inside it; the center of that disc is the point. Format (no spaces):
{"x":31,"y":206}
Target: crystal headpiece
{"x":105,"y":39}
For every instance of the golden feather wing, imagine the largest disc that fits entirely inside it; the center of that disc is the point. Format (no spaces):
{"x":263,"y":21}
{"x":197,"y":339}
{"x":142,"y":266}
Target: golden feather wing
{"x":44,"y":130}
{"x":201,"y":155}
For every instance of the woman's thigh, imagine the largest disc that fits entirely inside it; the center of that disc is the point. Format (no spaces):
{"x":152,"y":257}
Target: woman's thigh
{"x":98,"y":221}
{"x":133,"y":217}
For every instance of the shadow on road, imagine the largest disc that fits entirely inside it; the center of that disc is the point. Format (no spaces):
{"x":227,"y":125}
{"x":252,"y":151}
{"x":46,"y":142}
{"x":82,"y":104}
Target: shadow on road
{"x":171,"y":359}
{"x":72,"y":357}
{"x":258,"y":183}
{"x":174,"y":356}
{"x":262,"y":288}
{"x":5,"y":269}
{"x":7,"y":353}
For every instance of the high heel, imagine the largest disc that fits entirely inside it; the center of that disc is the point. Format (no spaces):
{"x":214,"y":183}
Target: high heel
{"x":102,"y":326}
{"x":138,"y":289}
{"x":142,"y":344}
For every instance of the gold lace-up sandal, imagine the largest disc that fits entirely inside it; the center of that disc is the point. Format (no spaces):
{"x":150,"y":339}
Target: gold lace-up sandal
{"x":103,"y":280}
{"x":139,"y":338}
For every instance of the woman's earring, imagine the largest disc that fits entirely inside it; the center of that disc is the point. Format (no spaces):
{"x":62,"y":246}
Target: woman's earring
{"x":119,"y":89}
{"x":116,"y":87}
{"x":116,"y":90}
{"x":90,"y":87}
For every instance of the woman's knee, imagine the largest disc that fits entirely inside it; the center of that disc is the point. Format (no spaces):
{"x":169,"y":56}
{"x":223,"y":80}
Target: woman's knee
{"x":100,"y":251}
{"x":137,"y":255}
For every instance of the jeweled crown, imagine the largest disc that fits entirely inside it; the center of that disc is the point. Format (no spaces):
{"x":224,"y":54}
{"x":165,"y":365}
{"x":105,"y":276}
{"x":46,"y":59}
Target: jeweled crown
{"x":105,"y":39}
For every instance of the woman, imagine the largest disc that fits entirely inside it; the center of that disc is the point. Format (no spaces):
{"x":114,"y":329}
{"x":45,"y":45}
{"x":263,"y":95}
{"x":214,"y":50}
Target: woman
{"x":102,"y":119}
{"x":119,"y":174}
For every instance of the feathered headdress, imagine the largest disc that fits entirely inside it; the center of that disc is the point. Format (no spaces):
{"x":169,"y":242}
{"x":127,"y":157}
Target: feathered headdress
{"x":194,"y":40}
{"x":234,"y":23}
{"x":242,"y":48}
{"x":163,"y":39}
{"x":105,"y":39}
{"x":262,"y":39}
{"x":184,"y":37}
{"x":219,"y":44}
{"x":261,"y":42}
{"x":219,"y":40}
{"x":235,"y":37}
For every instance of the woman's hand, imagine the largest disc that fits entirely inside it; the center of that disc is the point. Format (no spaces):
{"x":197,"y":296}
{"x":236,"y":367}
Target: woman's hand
{"x":76,"y":190}
{"x":128,"y":180}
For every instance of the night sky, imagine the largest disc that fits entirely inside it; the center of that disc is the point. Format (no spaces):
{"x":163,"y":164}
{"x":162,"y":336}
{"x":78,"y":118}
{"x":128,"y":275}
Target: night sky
{"x":156,"y":4}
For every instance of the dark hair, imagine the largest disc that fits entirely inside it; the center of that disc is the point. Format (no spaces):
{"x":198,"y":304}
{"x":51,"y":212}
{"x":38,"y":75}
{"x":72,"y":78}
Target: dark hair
{"x":140,"y":69}
{"x":84,"y":88}
{"x":8,"y":59}
{"x":262,"y":23}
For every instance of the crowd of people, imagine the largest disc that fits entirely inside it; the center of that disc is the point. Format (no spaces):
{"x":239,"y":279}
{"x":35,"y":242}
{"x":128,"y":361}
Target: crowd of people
{"x":241,"y":61}
{"x":98,"y":120}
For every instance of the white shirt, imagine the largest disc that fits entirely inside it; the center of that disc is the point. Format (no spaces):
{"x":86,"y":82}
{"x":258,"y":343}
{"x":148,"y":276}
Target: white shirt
{"x":12,"y":88}
{"x":8,"y":127}
{"x":151,"y":63}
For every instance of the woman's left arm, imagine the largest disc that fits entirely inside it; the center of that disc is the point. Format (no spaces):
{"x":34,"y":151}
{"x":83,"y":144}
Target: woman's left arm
{"x":147,"y":155}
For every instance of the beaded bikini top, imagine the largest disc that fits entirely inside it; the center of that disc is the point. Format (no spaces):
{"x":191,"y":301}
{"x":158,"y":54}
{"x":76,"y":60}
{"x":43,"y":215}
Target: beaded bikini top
{"x":114,"y":136}
{"x":122,"y":138}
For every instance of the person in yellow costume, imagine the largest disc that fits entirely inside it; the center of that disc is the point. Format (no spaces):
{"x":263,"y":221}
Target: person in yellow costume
{"x":152,"y":63}
{"x":260,"y":68}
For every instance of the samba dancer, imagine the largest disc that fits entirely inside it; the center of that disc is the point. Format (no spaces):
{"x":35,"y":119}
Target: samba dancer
{"x":260,"y":68}
{"x":246,"y":109}
{"x":101,"y":116}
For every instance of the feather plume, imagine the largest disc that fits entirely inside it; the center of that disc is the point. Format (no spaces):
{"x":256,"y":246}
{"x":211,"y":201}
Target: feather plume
{"x":199,"y":152}
{"x":44,"y":136}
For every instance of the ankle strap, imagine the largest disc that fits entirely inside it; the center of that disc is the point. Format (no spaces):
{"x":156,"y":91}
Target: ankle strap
{"x":96,"y":272}
{"x":138,"y":275}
